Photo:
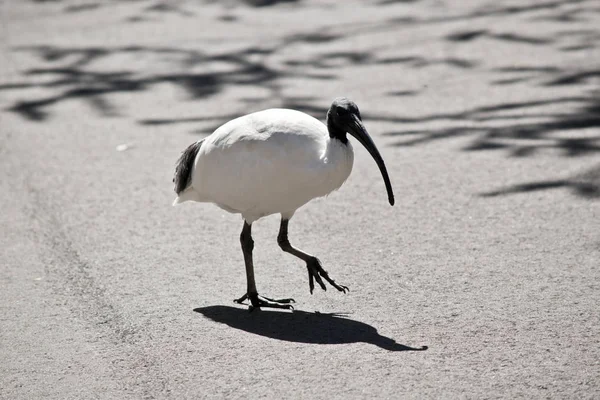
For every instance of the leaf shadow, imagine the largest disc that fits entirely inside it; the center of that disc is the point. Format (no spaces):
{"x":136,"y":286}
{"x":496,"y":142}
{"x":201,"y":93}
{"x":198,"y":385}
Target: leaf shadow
{"x":302,"y":327}
{"x":585,"y":185}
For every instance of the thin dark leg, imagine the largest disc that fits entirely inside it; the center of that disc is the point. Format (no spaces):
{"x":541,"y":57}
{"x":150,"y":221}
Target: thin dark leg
{"x":247,"y":247}
{"x":251,"y":293}
{"x":315,"y":269}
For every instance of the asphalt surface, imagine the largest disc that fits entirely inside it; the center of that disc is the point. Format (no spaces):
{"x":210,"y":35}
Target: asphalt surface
{"x":488,"y":117}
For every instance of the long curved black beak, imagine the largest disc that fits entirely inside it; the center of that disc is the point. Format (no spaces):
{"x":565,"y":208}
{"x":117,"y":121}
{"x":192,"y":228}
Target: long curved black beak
{"x":358,"y":130}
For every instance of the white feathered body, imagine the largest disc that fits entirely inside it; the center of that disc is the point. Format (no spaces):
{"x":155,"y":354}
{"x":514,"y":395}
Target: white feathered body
{"x":268,"y":162}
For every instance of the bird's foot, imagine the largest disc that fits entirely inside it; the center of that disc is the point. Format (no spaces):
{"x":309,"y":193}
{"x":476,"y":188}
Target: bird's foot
{"x":316,"y":272}
{"x":257,"y":301}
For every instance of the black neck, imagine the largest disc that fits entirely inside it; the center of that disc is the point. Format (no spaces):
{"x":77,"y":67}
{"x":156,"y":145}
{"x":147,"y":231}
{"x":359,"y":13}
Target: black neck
{"x":335,"y":132}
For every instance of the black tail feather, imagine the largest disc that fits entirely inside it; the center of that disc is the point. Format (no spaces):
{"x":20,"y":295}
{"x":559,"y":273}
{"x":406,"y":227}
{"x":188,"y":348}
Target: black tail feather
{"x":185,"y":164}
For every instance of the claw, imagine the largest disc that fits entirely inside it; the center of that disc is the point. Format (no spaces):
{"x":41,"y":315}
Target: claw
{"x":320,"y":281}
{"x":284,"y":301}
{"x":241,"y":299}
{"x":257,"y":301}
{"x":316,"y":271}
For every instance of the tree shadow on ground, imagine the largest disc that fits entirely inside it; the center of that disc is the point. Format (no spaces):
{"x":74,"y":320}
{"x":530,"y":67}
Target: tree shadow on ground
{"x":551,"y":117}
{"x":302,"y":327}
{"x":553,"y":120}
{"x":585,"y":185}
{"x":76,"y":79}
{"x":520,"y":139}
{"x":69,"y":73}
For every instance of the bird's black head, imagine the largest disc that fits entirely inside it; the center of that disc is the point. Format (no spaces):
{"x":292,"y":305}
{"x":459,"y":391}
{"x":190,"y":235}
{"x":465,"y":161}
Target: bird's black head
{"x":343,"y":117}
{"x":340,"y":115}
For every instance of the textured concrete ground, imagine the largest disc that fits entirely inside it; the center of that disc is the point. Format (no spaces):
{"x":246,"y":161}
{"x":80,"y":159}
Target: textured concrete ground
{"x":487,"y":114}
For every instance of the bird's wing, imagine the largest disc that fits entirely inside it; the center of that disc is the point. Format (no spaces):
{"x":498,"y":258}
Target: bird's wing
{"x":261,"y":161}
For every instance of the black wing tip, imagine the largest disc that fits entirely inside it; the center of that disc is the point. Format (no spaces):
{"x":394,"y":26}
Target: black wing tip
{"x":184,"y":166}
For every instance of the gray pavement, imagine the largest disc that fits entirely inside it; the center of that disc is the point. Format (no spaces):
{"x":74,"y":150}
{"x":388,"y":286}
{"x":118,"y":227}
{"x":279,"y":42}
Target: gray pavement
{"x":488,"y":117}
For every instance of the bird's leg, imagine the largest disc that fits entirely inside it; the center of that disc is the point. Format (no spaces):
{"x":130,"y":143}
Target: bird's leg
{"x":256,"y":301}
{"x":315,"y":269}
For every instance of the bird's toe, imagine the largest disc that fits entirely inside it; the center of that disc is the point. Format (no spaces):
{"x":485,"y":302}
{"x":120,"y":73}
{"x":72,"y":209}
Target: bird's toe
{"x":257,"y":301}
{"x":316,"y":272}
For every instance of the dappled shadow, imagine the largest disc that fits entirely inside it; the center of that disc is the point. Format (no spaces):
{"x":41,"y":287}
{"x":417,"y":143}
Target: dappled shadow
{"x":465,"y":36}
{"x":302,"y":327}
{"x":555,"y":9}
{"x":518,"y":138}
{"x":268,"y":3}
{"x":568,"y":123}
{"x":563,"y":113}
{"x":555,"y":105}
{"x":75,"y":79}
{"x":523,"y":128}
{"x":213,"y":122}
{"x":585,"y":185}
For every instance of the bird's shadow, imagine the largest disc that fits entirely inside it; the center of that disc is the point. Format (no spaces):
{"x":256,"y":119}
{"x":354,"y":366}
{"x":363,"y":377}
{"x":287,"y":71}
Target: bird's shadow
{"x":302,"y":327}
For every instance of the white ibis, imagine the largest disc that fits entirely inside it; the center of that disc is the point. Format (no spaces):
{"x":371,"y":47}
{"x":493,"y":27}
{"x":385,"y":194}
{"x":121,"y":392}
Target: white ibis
{"x":274,"y":162}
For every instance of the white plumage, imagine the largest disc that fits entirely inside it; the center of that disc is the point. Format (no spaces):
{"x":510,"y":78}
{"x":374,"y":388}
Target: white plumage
{"x":268,"y":162}
{"x":274,"y":162}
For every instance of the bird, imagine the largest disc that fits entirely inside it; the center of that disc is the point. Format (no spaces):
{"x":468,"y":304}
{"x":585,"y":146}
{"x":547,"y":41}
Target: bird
{"x":274,"y":162}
